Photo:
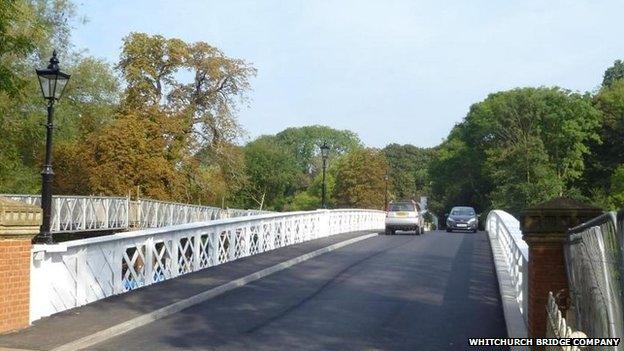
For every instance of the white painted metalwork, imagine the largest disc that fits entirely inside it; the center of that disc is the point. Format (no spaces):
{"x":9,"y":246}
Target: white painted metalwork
{"x":156,"y":214}
{"x":83,"y":213}
{"x":505,"y":229}
{"x":74,"y":273}
{"x":89,"y":213}
{"x":594,"y":256}
{"x":556,"y":327}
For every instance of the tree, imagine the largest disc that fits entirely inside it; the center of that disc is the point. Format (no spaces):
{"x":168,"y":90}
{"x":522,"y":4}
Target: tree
{"x":17,"y":43}
{"x":359,"y":177}
{"x":303,"y":201}
{"x":613,"y":74}
{"x":617,"y":188}
{"x":272,"y":174}
{"x":607,"y":154}
{"x":304,"y":143}
{"x":408,"y":170}
{"x":456,"y":175}
{"x":517,"y":148}
{"x":28,"y":32}
{"x":131,"y":153}
{"x":207,"y":104}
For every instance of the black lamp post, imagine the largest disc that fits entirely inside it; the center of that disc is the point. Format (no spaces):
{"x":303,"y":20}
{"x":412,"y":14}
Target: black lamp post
{"x":386,"y":191}
{"x":52,"y":82}
{"x":324,"y":155}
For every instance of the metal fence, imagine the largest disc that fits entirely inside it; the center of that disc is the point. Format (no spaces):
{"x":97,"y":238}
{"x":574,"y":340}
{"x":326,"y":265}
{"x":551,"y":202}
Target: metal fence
{"x":556,"y":327}
{"x":595,"y":268}
{"x":505,"y":230}
{"x":90,"y":213}
{"x":83,"y":213}
{"x":74,"y":273}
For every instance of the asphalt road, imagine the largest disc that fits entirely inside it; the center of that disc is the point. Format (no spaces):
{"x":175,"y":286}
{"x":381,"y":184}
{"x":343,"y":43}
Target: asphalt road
{"x":401,"y":292}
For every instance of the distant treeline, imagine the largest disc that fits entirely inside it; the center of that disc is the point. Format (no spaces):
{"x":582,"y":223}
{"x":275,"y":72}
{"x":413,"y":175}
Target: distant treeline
{"x":143,"y":126}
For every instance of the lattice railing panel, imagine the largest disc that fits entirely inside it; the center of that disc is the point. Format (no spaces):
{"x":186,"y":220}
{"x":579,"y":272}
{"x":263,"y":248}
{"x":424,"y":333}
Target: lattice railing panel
{"x":87,"y":213}
{"x":78,"y":272}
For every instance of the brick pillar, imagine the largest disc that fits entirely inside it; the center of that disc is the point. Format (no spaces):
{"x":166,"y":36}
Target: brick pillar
{"x":544,"y":228}
{"x":19,"y":223}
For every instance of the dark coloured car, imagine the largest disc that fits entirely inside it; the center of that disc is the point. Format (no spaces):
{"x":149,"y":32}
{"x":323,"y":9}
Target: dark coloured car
{"x":462,"y":218}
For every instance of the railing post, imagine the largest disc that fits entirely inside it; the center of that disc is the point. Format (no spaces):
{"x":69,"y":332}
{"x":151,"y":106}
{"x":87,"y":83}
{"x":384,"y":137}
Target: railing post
{"x":127,"y":205}
{"x":175,"y":259}
{"x":149,"y":261}
{"x":106,"y":211}
{"x":197,"y":252}
{"x":272,"y":232}
{"x":231,"y":231}
{"x":544,"y":228}
{"x":56,"y":207}
{"x":84,"y":215}
{"x":215,"y":248}
{"x":19,"y":223}
{"x":261,"y":236}
{"x":139,"y":207}
{"x":246,"y":234}
{"x":117,"y":267}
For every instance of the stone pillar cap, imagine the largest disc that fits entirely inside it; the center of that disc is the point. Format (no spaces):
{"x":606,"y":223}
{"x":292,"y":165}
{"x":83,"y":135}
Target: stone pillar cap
{"x":18,"y":219}
{"x":556,"y":216}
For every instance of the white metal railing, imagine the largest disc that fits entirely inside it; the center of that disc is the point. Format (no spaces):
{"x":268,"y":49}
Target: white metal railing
{"x":556,"y":327}
{"x":594,"y":256}
{"x":82,"y":213}
{"x":505,"y":229}
{"x":74,"y":273}
{"x":147,"y":213}
{"x":88,"y":213}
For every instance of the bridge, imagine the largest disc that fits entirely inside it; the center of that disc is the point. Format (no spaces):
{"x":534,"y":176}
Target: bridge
{"x":324,"y":279}
{"x":72,"y":214}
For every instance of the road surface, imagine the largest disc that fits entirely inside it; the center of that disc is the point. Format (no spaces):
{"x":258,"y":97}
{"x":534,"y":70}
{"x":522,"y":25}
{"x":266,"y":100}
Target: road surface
{"x":401,"y":292}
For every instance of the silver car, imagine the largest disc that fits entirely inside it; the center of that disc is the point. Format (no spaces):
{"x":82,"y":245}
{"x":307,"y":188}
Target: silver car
{"x":404,"y":215}
{"x":462,"y":218}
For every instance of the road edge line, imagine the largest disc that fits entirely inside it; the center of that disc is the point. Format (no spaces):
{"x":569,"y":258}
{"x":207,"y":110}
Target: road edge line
{"x":162,"y":312}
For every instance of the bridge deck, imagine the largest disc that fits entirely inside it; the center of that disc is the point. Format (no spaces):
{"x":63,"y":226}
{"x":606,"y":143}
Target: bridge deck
{"x":387,"y":292}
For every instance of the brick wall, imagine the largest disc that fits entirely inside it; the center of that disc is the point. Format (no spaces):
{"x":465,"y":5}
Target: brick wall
{"x":545,"y":229}
{"x":546,"y":273}
{"x":14,"y":283}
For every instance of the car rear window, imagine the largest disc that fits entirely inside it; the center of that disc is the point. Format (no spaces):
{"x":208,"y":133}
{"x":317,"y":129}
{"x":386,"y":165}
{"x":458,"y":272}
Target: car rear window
{"x":463,"y":212}
{"x":401,"y":206}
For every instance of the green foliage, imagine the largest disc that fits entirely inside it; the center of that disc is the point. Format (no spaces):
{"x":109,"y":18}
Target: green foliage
{"x":516,"y":148}
{"x":617,"y":187}
{"x":304,"y":201}
{"x":607,"y":154}
{"x":16,"y":42}
{"x":304,"y":142}
{"x":272,"y":174}
{"x":150,"y":65}
{"x":613,"y":73}
{"x":28,"y":31}
{"x":360,"y":179}
{"x":409,"y":170}
{"x":172,"y":132}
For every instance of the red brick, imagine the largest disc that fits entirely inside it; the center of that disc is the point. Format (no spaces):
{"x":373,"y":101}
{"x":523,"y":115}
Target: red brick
{"x":14,"y":284}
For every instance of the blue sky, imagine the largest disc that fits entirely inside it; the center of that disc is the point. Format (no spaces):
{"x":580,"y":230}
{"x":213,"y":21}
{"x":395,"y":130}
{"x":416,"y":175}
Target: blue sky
{"x":391,"y":71}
